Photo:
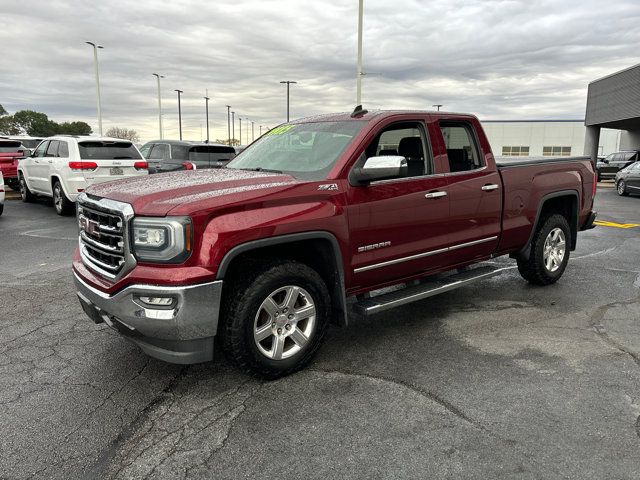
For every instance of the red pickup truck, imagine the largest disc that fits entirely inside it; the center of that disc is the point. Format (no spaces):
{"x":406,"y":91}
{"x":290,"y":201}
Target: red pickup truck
{"x":317,"y":221}
{"x":11,"y":151}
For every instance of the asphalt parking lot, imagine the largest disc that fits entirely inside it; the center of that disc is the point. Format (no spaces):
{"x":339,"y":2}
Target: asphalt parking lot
{"x":496,"y":380}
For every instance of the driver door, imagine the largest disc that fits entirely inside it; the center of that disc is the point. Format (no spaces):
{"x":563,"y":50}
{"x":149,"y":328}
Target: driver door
{"x":398,"y":226}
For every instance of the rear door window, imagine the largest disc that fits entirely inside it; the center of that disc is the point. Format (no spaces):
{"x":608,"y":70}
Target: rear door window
{"x":462,"y":151}
{"x":52,"y":151}
{"x":102,"y":150}
{"x":63,"y":149}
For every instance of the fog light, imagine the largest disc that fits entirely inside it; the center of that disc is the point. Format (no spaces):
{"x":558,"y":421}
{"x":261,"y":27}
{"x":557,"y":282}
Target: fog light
{"x":157,"y":301}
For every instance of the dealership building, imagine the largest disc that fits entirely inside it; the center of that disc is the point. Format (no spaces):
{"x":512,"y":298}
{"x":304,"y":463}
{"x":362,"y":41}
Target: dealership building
{"x":538,"y":138}
{"x":611,"y":124}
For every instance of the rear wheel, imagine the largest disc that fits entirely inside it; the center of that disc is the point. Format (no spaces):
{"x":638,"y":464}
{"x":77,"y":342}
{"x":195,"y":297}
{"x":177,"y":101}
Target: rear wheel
{"x":1,"y":208}
{"x":621,"y":188}
{"x":25,"y":193}
{"x":598,"y":176}
{"x":275,"y":321}
{"x":549,"y":254}
{"x":62,"y":204}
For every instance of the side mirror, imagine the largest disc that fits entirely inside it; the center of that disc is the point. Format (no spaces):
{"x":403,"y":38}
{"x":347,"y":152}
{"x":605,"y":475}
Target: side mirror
{"x":379,"y":168}
{"x":26,"y":153}
{"x":604,"y":160}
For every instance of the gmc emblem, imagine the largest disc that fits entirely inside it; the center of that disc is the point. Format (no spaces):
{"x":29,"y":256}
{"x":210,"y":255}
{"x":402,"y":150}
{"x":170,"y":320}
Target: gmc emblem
{"x":89,"y":226}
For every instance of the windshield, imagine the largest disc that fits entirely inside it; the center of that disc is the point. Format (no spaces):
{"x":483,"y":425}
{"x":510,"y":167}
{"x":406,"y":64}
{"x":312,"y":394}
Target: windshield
{"x":108,"y":151}
{"x":304,"y":150}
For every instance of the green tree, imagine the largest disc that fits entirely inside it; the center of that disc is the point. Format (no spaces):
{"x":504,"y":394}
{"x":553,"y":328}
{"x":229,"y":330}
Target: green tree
{"x":3,"y":111}
{"x":74,"y":128}
{"x":35,"y":124}
{"x":8,"y":126}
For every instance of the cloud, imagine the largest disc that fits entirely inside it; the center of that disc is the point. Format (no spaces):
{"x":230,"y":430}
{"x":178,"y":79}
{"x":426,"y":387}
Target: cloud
{"x":497,"y":59}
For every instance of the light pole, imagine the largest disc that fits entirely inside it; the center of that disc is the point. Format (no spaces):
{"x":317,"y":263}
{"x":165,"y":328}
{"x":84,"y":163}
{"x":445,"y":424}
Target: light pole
{"x":438,"y":105}
{"x":253,"y":137}
{"x":179,"y":113}
{"x":247,"y":120}
{"x":229,"y":123}
{"x":158,"y":77}
{"x":240,"y":134}
{"x":233,"y":126}
{"x":206,"y":107}
{"x":95,"y":63}
{"x":288,"y":82}
{"x":359,"y":72}
{"x":260,"y":130}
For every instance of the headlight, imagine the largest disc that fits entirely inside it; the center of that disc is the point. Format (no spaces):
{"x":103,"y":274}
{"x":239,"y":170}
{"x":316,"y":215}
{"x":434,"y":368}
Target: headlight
{"x":165,"y":239}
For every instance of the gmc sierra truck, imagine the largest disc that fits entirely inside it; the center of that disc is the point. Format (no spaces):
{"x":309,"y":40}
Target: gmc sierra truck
{"x":319,"y":220}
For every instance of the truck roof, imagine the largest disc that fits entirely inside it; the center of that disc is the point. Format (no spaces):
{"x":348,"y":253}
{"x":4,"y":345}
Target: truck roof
{"x":375,"y":115}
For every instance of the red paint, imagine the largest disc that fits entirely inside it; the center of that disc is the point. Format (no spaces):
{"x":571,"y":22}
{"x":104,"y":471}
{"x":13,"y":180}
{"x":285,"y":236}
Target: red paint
{"x":231,"y":207}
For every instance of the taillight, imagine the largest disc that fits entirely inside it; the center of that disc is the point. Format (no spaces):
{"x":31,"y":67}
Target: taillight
{"x":141,"y":165}
{"x":188,"y":165}
{"x":83,"y":165}
{"x":595,"y":183}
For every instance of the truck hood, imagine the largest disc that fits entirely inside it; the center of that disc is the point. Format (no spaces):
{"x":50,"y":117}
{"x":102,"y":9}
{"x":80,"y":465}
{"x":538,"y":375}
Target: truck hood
{"x":157,"y":195}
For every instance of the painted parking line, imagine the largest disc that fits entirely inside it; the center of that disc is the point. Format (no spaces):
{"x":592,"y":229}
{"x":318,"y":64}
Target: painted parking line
{"x":603,"y":223}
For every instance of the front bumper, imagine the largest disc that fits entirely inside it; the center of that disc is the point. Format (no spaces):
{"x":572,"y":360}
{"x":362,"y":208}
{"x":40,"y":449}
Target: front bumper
{"x":182,"y":333}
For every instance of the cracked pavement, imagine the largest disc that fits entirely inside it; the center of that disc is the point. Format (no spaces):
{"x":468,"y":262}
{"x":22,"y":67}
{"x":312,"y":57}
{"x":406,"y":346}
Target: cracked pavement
{"x":496,"y":380}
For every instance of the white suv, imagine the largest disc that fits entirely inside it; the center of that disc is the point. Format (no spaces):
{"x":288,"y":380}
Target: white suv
{"x":62,"y":167}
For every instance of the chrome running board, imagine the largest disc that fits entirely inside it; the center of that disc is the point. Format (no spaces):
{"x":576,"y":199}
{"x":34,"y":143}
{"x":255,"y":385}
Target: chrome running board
{"x":428,"y":288}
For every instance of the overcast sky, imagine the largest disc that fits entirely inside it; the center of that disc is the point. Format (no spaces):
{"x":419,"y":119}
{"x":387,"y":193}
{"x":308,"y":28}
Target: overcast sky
{"x":497,"y":59}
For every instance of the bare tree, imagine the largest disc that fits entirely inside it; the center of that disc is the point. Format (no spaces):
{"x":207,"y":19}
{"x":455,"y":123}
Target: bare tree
{"x":124,"y":133}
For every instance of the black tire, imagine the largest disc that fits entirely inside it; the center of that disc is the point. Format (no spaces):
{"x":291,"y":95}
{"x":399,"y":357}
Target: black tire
{"x":534,"y":269}
{"x":621,"y":188}
{"x":598,"y":176}
{"x":25,"y":193}
{"x":61,"y":203}
{"x":243,"y":299}
{"x":1,"y":208}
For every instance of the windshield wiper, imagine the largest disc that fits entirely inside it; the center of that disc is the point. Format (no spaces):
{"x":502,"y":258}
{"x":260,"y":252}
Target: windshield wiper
{"x":260,"y":169}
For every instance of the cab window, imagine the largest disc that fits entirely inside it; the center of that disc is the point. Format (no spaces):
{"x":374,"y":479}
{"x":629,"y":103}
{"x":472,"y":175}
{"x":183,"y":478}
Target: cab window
{"x":406,"y":139}
{"x":462,"y":151}
{"x":52,"y":151}
{"x":40,"y":151}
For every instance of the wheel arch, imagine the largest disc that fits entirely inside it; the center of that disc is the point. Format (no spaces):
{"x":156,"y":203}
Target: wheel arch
{"x":318,"y":249}
{"x":555,"y":202}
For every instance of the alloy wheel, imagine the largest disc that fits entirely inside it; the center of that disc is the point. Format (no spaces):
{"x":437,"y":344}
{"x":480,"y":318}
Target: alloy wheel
{"x":621,"y":187}
{"x":284,"y":323}
{"x":554,"y":249}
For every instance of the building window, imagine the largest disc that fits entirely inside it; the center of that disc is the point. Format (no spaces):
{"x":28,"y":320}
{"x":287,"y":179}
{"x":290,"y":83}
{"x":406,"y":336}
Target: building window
{"x":556,"y":151}
{"x":515,"y":151}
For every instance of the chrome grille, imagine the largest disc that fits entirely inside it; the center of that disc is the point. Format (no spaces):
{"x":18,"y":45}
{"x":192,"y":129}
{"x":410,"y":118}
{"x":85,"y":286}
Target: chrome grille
{"x":103,"y":236}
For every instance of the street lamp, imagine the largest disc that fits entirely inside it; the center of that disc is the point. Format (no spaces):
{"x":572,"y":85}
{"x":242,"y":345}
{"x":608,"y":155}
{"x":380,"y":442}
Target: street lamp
{"x":95,"y":63}
{"x":158,"y":77}
{"x":438,"y":105}
{"x":206,"y":103}
{"x":240,"y":134}
{"x":233,"y":126}
{"x":247,"y":120}
{"x":260,"y":130}
{"x":359,"y":72}
{"x":229,"y":123}
{"x":253,"y":137}
{"x":179,"y":113}
{"x":288,"y":82}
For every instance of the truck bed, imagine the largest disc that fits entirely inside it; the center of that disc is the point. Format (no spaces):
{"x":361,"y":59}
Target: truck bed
{"x":506,"y":162}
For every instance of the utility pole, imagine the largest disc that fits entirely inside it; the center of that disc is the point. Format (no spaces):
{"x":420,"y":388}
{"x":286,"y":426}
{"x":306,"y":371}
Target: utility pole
{"x":206,"y":103}
{"x":289,"y":82}
{"x":247,"y":129}
{"x":229,"y":123}
{"x":159,"y":104}
{"x":253,"y":137}
{"x":233,"y":125}
{"x":95,"y":64}
{"x":240,"y":134}
{"x":438,"y":105}
{"x":359,"y":72}
{"x":179,"y":113}
{"x":260,"y":130}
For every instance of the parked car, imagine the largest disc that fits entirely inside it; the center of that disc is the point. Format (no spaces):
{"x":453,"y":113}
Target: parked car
{"x":30,"y":142}
{"x":11,"y":151}
{"x":613,"y":163}
{"x":171,"y":155}
{"x":628,"y":180}
{"x":1,"y":194}
{"x":63,"y":166}
{"x":309,"y":223}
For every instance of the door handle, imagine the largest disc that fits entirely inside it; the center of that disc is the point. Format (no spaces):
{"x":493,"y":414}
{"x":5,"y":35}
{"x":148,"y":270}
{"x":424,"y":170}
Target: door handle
{"x":435,"y":194}
{"x":489,"y":187}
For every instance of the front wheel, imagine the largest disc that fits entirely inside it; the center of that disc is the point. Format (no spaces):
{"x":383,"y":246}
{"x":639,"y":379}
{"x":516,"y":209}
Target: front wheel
{"x":549,"y":255}
{"x":621,"y":188}
{"x":274,"y":322}
{"x":62,"y":204}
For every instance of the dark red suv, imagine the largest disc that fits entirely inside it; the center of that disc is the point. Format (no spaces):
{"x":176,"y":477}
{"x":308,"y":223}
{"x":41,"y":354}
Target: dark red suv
{"x":10,"y":152}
